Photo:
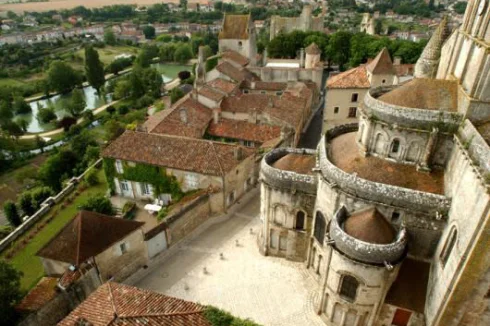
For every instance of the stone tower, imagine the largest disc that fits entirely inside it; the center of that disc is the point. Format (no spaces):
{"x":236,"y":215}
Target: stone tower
{"x":367,"y":24}
{"x":306,"y":15}
{"x":427,"y":64}
{"x":312,"y":56}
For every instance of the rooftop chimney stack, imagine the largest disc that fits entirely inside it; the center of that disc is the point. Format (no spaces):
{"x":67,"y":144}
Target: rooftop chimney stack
{"x":302,"y":58}
{"x":215,"y":116}
{"x":183,"y":115}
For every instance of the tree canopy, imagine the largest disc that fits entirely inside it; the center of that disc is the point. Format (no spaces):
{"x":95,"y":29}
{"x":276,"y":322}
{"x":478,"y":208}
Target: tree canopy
{"x":62,"y":77}
{"x":10,"y":293}
{"x":94,"y":69}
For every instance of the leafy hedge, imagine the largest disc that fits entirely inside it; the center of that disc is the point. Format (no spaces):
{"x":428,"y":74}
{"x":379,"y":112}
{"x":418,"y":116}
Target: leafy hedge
{"x":218,"y":317}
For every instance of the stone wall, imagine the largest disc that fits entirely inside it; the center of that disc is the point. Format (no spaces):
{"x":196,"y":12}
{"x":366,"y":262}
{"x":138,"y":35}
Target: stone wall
{"x":408,"y":117}
{"x":285,"y":75}
{"x":459,"y":279}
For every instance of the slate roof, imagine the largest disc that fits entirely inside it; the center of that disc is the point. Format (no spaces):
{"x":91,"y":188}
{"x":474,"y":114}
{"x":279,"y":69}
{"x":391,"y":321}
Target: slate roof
{"x":423,"y":93}
{"x":114,"y":304}
{"x":42,"y":293}
{"x":369,"y":225}
{"x":352,"y":78}
{"x":382,"y":64}
{"x":235,"y":27}
{"x":299,"y":163}
{"x":235,"y":57}
{"x":170,"y":121}
{"x":86,"y":236}
{"x":244,"y":130}
{"x":180,"y":153}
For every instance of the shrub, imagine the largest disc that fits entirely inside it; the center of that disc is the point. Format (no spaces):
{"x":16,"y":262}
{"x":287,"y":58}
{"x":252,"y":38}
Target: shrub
{"x":219,"y":317}
{"x":144,"y":101}
{"x":91,"y":177}
{"x":98,"y":203}
{"x":66,"y":123}
{"x":26,"y":204}
{"x":110,"y":109}
{"x":11,"y":213}
{"x":39,"y":195}
{"x":123,"y":109}
{"x":184,"y":75}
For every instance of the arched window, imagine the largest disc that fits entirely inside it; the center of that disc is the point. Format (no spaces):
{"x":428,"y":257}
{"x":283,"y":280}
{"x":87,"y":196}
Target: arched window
{"x":300,"y":220}
{"x":319,"y":232}
{"x":449,"y":245}
{"x":395,"y":146}
{"x":348,"y":288}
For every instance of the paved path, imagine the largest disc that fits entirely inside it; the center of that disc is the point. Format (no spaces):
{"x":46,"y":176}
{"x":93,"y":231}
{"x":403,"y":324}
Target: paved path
{"x":270,"y":291}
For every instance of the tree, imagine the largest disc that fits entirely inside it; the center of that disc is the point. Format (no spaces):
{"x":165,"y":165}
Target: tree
{"x":183,"y":53}
{"x":338,"y":48}
{"x":109,"y":37}
{"x":137,"y":87}
{"x":176,"y":94}
{"x":119,"y":64}
{"x":184,"y":74}
{"x":460,"y":7}
{"x":183,"y":5}
{"x":113,"y":129}
{"x":62,"y":77}
{"x":23,"y":124}
{"x":12,"y":128}
{"x":88,"y":115}
{"x":122,"y":89}
{"x":11,"y":213}
{"x":98,"y":203}
{"x":25,"y":203}
{"x":20,"y":106}
{"x":56,"y":168}
{"x":152,"y":81}
{"x":40,"y":143}
{"x":39,"y":195}
{"x":6,"y":113}
{"x":94,"y":69}
{"x":66,"y":123}
{"x":81,"y":142}
{"x":167,"y":52}
{"x":378,"y":27}
{"x":77,"y":103}
{"x":146,"y":55}
{"x":10,"y":293}
{"x":149,"y":32}
{"x":46,"y":115}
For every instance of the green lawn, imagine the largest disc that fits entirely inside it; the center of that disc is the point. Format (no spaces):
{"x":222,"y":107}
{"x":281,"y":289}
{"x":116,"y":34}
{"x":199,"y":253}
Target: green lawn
{"x":10,"y":82}
{"x":26,"y":260}
{"x":108,"y":53}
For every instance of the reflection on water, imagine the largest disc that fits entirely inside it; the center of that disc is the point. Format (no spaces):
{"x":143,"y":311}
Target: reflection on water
{"x":59,"y":102}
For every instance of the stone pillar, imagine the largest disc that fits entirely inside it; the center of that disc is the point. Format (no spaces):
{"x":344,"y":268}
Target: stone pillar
{"x":424,"y":165}
{"x":302,"y":58}
{"x":366,"y":137}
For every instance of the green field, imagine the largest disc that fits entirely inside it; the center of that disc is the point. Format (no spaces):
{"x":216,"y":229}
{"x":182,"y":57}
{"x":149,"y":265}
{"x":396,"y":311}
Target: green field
{"x":26,"y":260}
{"x":108,"y":53}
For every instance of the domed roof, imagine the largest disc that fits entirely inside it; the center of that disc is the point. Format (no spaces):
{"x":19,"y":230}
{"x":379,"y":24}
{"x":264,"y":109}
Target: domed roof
{"x":369,"y":225}
{"x":312,"y":49}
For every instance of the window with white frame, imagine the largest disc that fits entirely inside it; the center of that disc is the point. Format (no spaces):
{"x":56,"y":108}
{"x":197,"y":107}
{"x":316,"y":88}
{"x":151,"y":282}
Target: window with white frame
{"x":191,"y":181}
{"x":124,"y":185}
{"x":119,"y":167}
{"x":145,"y":189}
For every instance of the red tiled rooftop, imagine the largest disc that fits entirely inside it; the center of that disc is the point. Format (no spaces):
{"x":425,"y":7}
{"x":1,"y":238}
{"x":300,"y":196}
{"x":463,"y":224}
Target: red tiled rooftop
{"x":180,"y":153}
{"x":369,"y":225}
{"x":124,"y":305}
{"x":353,"y":78}
{"x":344,"y":153}
{"x":211,"y":93}
{"x":237,"y":74}
{"x":42,"y":293}
{"x":223,"y":85}
{"x":235,"y":27}
{"x":235,"y":57}
{"x":299,"y":163}
{"x":244,"y":130}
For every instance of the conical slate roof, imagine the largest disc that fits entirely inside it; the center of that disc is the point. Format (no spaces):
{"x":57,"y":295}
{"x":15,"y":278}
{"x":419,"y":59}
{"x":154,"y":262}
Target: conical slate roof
{"x":369,"y":225}
{"x":382,"y":64}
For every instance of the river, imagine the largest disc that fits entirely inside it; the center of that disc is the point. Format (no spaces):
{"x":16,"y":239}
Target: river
{"x":93,"y":100}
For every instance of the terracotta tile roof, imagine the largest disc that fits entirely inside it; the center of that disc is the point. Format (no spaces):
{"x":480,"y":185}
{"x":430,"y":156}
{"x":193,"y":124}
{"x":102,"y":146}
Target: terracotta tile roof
{"x":211,"y":94}
{"x":422,"y":93}
{"x":409,"y":291}
{"x":180,"y":153}
{"x":235,"y":73}
{"x":42,"y":293}
{"x":174,"y":121}
{"x":244,"y":130}
{"x":245,"y":103}
{"x":353,"y":78}
{"x":114,"y":304}
{"x":265,"y":86}
{"x":235,"y":27}
{"x":69,"y":277}
{"x":223,"y":85}
{"x":369,"y":225}
{"x":312,"y":49}
{"x":86,"y":236}
{"x":299,"y":163}
{"x":344,"y":153}
{"x":382,"y":64}
{"x":235,"y":57}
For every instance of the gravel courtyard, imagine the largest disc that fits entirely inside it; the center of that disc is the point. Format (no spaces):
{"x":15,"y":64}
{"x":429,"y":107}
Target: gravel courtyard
{"x":268,"y":290}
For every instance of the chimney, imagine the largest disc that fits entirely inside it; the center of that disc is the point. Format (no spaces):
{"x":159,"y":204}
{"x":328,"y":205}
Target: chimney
{"x":397,"y":61}
{"x":271,"y":102}
{"x":302,"y":58}
{"x":252,"y":85}
{"x":183,"y":115}
{"x":215,"y":116}
{"x":238,"y":153}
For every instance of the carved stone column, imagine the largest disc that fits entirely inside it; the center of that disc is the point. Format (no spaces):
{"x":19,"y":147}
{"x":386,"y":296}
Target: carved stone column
{"x":424,"y":165}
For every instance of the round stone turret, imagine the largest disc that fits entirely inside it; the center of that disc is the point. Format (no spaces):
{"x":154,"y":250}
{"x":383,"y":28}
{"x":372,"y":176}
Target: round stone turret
{"x":366,"y":236}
